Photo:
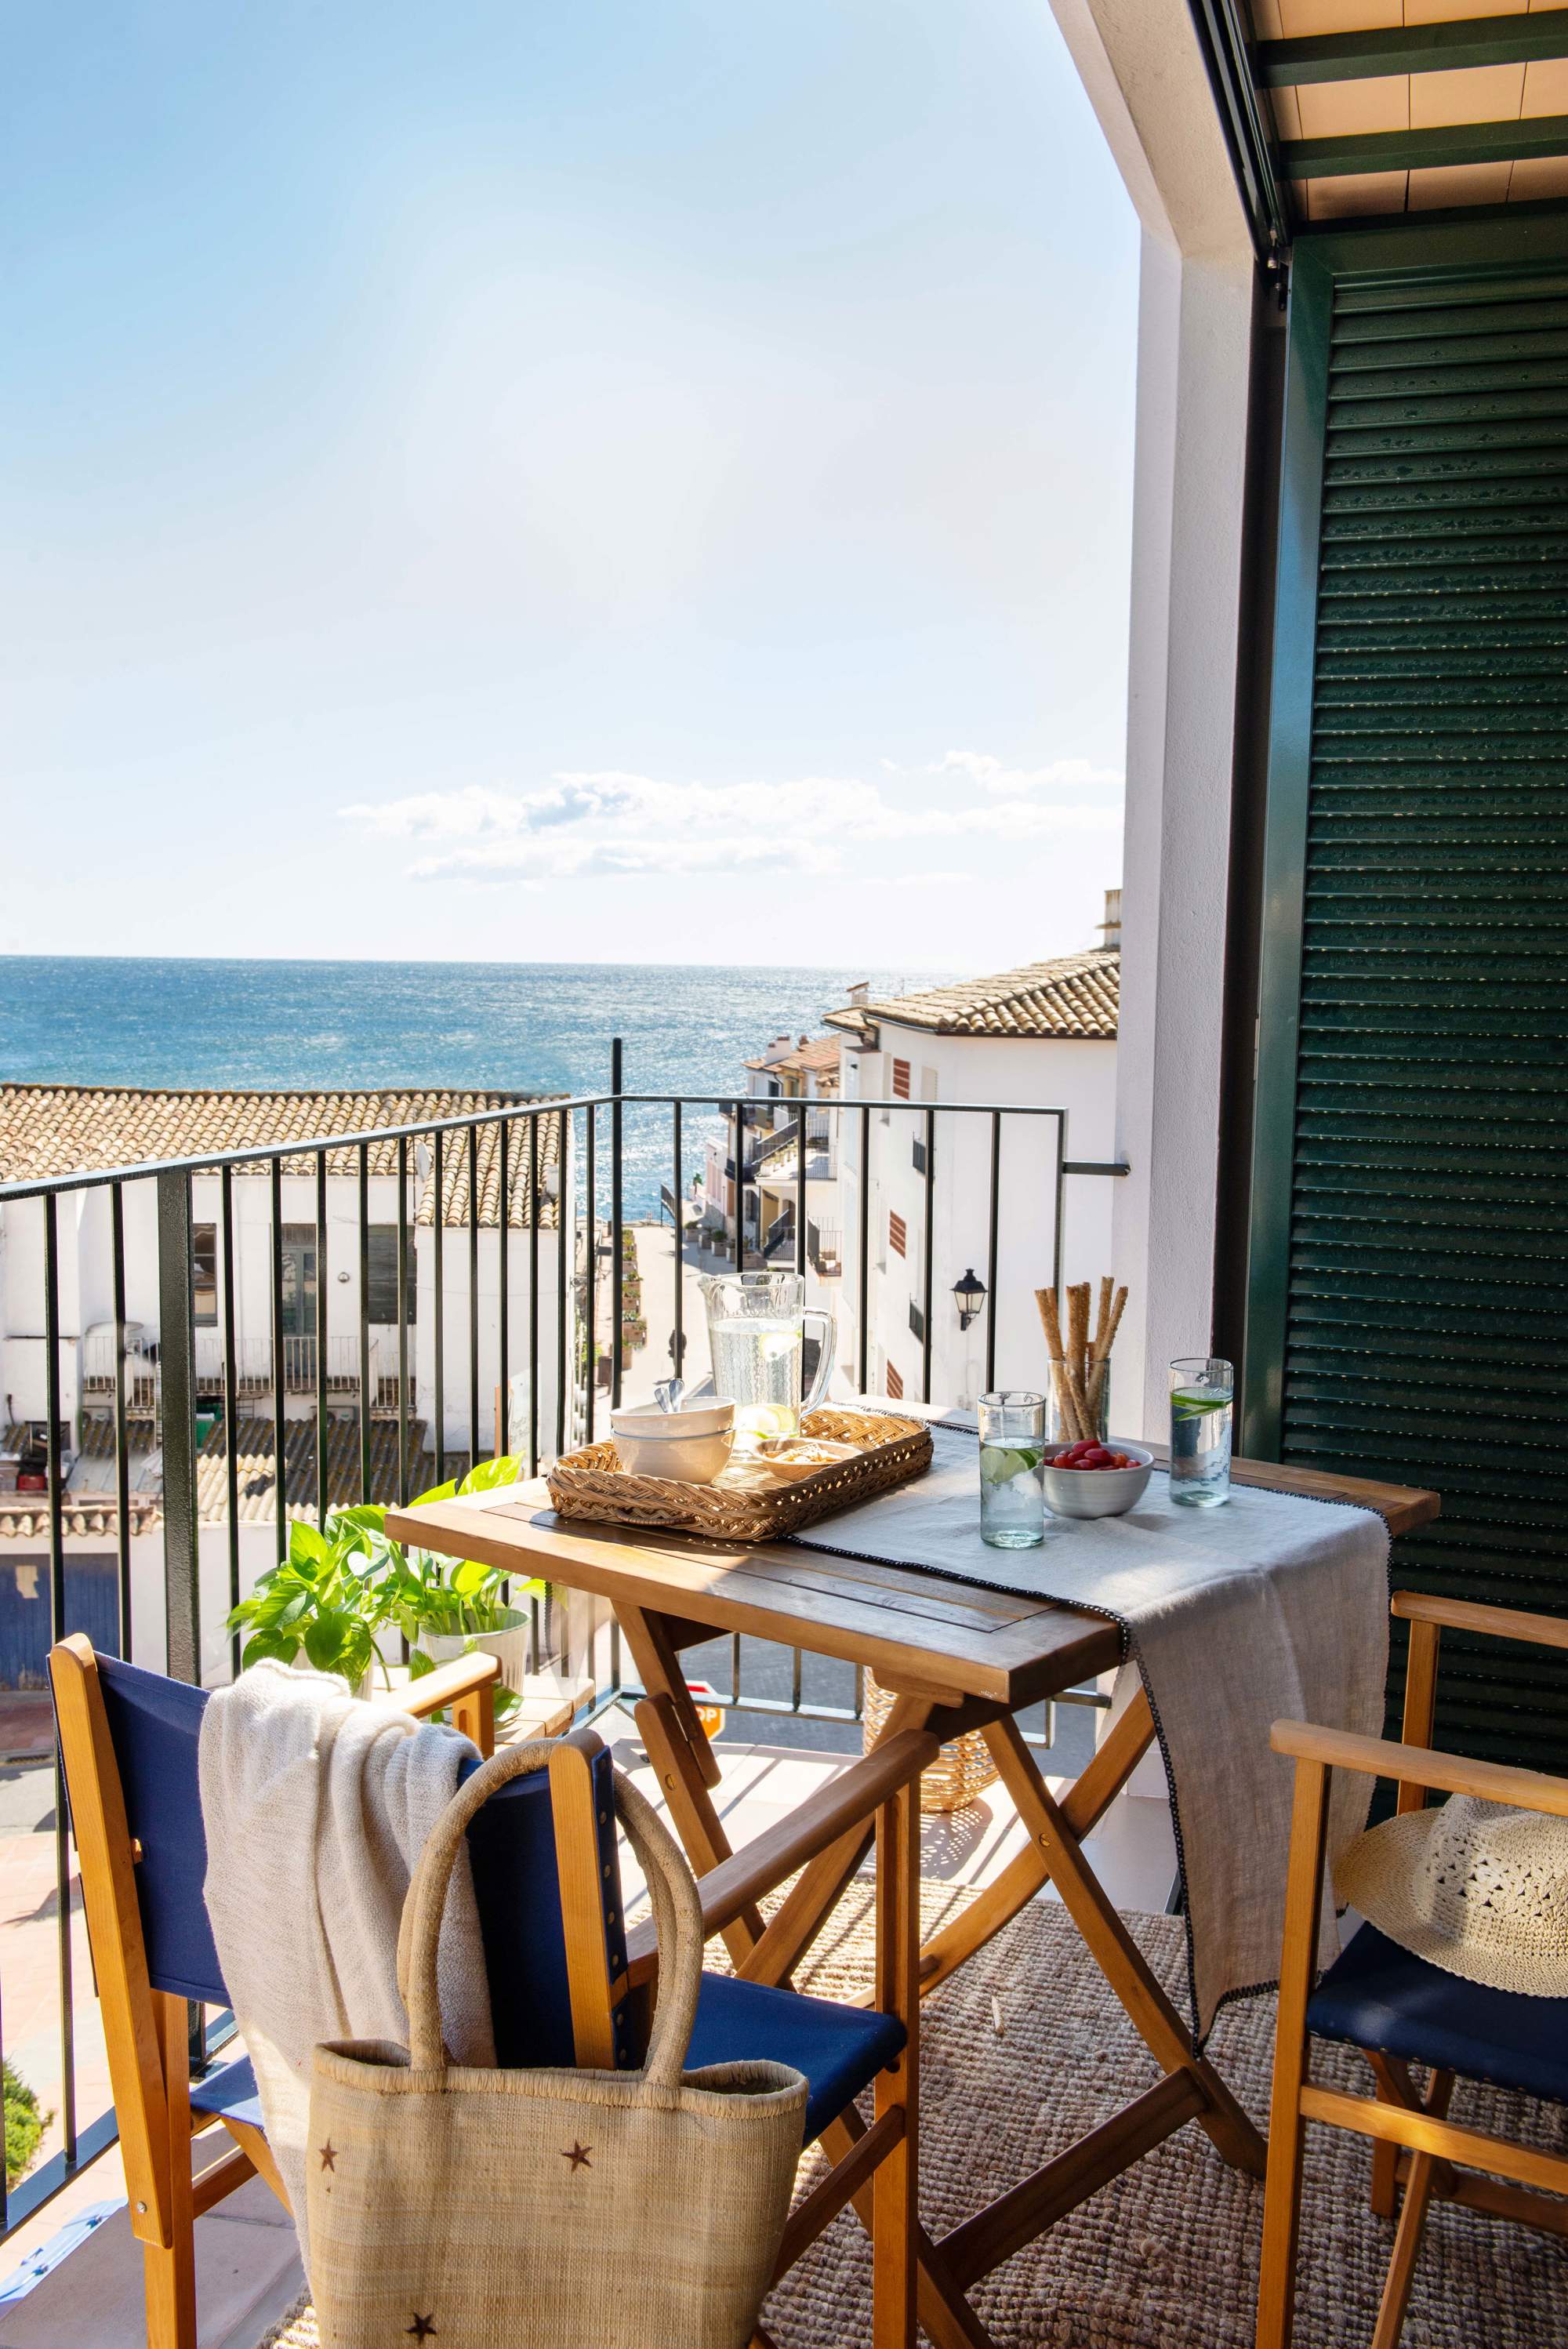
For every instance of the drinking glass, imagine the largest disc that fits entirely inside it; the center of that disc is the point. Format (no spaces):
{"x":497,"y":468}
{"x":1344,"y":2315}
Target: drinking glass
{"x":1012,"y":1473}
{"x":1058,"y":1429}
{"x":1202,"y":1387}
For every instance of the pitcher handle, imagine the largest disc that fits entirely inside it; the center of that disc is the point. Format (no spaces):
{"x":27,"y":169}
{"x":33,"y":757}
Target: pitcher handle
{"x":825,"y":1359}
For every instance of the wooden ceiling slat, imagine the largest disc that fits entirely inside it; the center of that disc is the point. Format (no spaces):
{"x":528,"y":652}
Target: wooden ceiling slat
{"x":1412,"y":49}
{"x":1436,"y":147}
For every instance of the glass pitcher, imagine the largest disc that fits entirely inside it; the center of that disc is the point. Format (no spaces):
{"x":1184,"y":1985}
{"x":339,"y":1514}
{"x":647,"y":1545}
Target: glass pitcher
{"x":757,"y":1336}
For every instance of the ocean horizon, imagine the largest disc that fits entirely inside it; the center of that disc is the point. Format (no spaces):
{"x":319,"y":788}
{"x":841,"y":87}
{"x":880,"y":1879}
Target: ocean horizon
{"x":537,"y":1028}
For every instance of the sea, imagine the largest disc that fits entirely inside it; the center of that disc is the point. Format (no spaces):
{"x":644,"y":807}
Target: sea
{"x":534,"y":1027}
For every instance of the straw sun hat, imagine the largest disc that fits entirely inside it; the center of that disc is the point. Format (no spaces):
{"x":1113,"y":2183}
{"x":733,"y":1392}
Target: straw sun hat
{"x":1479,"y":1888}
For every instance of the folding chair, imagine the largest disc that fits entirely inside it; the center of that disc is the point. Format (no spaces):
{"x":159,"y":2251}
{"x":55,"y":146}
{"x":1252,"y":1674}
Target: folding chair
{"x":546,"y":1879}
{"x":1399,"y":2009}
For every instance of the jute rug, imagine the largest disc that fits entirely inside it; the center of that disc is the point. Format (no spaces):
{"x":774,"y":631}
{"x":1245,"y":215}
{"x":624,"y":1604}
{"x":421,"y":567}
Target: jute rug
{"x":1165,"y":2258}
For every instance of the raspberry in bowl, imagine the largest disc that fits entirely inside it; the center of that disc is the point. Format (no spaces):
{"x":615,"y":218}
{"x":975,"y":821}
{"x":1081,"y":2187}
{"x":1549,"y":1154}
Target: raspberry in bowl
{"x":1096,"y":1480}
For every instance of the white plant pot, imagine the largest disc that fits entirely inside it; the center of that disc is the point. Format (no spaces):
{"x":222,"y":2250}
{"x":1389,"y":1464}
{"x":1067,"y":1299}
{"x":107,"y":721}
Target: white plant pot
{"x":509,"y":1646}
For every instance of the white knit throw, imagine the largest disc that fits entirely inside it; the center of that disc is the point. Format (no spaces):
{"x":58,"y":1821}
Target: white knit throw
{"x":316,"y":1807}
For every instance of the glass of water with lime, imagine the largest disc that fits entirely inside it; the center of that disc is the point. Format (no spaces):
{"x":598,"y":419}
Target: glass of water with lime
{"x":1202,"y":1387}
{"x":1012,"y":1469}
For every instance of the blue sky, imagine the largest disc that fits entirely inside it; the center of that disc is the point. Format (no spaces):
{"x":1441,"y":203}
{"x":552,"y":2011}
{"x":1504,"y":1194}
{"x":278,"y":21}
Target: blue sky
{"x":648,"y":480}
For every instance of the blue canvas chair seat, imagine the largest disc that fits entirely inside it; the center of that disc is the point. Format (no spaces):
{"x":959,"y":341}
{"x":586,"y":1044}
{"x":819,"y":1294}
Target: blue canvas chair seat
{"x":839,"y":2049}
{"x":229,"y":2094}
{"x":153,"y":1731}
{"x":1376,"y":1995}
{"x":1399,"y":2009}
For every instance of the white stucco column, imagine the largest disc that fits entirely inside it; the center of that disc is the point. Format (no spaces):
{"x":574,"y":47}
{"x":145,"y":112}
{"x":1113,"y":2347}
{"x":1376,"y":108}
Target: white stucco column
{"x":1141,"y":67}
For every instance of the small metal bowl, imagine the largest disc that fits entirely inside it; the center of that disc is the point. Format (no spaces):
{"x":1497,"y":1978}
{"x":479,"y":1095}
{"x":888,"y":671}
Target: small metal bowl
{"x":1099,"y":1492}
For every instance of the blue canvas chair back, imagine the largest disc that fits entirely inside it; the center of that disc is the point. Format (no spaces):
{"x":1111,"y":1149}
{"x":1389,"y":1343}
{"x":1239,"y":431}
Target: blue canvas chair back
{"x":155,"y":1725}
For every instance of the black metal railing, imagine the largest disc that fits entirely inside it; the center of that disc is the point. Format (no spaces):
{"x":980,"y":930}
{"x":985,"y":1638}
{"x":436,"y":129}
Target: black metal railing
{"x":310,"y":1411}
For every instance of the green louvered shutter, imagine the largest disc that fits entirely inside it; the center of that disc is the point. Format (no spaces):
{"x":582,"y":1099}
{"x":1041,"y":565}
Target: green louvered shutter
{"x":1426,"y":1295}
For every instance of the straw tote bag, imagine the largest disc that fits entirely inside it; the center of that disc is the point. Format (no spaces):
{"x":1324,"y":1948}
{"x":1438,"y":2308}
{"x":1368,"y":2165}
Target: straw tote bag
{"x":547,"y":2209}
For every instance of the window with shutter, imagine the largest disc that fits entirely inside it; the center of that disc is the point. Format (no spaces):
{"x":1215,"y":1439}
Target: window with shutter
{"x":894,"y":1384}
{"x":1409,"y":1237}
{"x":901,"y":1079}
{"x":897,"y":1234}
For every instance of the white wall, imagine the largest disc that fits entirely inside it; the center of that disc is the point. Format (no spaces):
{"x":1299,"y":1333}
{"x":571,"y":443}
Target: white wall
{"x":1141,"y":67}
{"x":1077,"y":1077}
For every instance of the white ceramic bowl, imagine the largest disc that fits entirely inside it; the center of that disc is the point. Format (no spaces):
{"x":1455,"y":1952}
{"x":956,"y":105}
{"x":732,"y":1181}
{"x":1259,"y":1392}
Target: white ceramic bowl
{"x":666,"y":1444}
{"x":692,"y":1418}
{"x":1099,"y":1492}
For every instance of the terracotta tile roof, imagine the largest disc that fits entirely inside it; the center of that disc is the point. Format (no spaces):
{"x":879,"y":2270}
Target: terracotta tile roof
{"x":1076,"y":994}
{"x":63,"y":1129}
{"x":818,"y":1055}
{"x":25,"y":1515}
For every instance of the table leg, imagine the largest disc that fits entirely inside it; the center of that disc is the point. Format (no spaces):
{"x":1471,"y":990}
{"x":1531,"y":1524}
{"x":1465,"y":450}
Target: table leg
{"x":684,"y":1761}
{"x":1084,"y":1806}
{"x":1116,"y":1952}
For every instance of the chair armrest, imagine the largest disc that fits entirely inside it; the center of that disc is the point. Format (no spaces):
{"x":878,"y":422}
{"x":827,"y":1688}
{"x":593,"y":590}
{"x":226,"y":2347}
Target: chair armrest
{"x":462,"y":1676}
{"x":778,"y":1851}
{"x":1421,"y":1765}
{"x":1492,"y":1622}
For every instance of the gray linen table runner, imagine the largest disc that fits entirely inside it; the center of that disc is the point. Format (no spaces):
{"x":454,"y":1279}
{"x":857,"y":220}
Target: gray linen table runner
{"x":1271,"y":1606}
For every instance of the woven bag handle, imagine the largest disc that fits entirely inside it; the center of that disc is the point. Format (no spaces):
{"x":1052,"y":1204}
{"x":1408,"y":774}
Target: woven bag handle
{"x":672,"y":1888}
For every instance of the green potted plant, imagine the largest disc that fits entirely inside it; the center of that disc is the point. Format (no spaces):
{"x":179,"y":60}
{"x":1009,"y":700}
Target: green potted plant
{"x":325,"y":1600}
{"x":444,"y":1608}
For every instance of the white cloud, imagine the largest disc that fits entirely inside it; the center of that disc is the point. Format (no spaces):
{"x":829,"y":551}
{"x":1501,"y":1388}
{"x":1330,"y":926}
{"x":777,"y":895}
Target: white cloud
{"x":609,"y":823}
{"x":1015,"y":782}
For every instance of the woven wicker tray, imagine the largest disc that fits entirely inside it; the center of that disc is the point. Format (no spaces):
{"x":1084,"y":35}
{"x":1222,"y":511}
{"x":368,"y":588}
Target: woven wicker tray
{"x":592,"y":1484}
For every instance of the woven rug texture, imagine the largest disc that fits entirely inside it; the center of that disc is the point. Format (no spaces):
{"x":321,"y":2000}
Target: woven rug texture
{"x":1166,"y":2257}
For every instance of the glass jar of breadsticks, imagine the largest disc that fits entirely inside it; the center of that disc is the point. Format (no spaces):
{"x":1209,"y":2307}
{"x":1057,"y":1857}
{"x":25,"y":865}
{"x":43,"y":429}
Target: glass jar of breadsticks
{"x":1079,"y":1342}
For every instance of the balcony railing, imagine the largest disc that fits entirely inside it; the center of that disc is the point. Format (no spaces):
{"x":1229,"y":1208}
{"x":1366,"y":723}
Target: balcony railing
{"x":249,"y":1373}
{"x":260,"y":1463}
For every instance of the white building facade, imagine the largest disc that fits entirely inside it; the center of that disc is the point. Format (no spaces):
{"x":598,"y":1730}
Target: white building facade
{"x":1039,"y":1041}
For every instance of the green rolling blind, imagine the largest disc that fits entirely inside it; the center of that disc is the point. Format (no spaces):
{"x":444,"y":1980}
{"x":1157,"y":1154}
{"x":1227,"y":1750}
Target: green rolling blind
{"x":1425,"y":1308}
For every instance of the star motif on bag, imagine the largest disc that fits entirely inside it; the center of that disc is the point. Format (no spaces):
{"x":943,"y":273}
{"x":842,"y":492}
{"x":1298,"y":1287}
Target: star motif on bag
{"x":577,"y":2155}
{"x":328,"y":2153}
{"x":422,"y":2329}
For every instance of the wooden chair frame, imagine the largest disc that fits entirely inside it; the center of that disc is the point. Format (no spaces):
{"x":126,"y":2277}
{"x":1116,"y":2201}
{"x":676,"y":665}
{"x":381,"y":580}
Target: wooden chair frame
{"x":1414,"y":2144}
{"x":147,"y":2032}
{"x":875,"y":2166}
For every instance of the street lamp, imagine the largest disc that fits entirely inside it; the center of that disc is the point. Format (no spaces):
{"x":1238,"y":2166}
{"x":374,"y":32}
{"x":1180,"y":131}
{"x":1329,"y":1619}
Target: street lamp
{"x":969,"y":1295}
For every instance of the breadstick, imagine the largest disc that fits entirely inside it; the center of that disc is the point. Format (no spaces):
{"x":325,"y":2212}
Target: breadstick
{"x":1102,"y":1353}
{"x":1050,"y":1321}
{"x":1103,"y":1319}
{"x":1076,"y":1348}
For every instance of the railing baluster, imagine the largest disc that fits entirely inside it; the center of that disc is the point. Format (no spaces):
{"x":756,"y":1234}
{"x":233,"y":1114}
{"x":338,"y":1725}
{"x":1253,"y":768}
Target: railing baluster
{"x":535,"y":1209}
{"x":992,"y":1228}
{"x":739,"y":1186}
{"x":1061,"y":1200}
{"x":503,"y":1307}
{"x":928,"y":1254}
{"x":617,"y":1228}
{"x":323,"y":1276}
{"x":591,"y":1298}
{"x":280,"y":1413}
{"x":564,"y":1189}
{"x":231,"y":1402}
{"x":64,"y":1968}
{"x":177,"y":1371}
{"x":365,"y":1370}
{"x":473,"y":1295}
{"x":677,"y":1336}
{"x":800,"y":1188}
{"x":865,"y":1254}
{"x":438,"y":1226}
{"x":121,"y":1451}
{"x":402,"y":1320}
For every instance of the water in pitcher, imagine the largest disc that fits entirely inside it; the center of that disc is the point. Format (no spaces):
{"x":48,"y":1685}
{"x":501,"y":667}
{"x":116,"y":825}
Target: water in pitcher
{"x":756,"y":1362}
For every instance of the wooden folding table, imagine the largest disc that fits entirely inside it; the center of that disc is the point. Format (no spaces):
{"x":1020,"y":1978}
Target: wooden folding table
{"x":954,"y":1658}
